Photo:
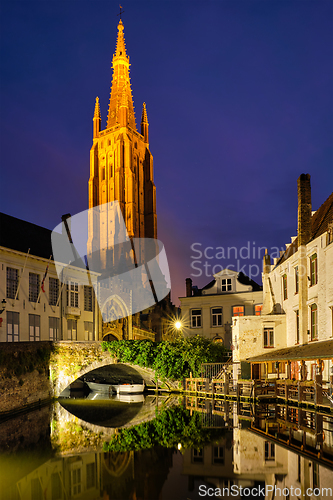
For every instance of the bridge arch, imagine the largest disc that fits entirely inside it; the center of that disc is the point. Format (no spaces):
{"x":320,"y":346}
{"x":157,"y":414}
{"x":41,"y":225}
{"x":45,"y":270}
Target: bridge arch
{"x":71,"y":360}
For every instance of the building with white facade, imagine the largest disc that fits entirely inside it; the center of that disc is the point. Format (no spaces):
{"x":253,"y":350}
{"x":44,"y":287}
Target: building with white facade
{"x":34,"y":304}
{"x":293,"y":337}
{"x":209,"y":311}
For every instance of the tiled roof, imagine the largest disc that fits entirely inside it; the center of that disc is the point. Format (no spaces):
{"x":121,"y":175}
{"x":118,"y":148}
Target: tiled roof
{"x":313,"y":350}
{"x":319,"y":225}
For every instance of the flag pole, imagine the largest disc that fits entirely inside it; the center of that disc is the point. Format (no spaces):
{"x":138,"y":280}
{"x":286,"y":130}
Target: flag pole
{"x":19,"y":283}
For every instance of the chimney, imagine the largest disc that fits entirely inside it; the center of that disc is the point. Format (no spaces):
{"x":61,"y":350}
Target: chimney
{"x":304,"y":209}
{"x":188,"y":287}
{"x":266,"y":265}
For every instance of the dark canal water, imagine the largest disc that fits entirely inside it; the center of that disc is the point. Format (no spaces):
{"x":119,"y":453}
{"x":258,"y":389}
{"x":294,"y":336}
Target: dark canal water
{"x":165,"y":448}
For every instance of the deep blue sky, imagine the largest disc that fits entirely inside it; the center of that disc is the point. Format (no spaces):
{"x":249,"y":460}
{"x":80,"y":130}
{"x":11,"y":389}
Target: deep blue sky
{"x":239,"y":100}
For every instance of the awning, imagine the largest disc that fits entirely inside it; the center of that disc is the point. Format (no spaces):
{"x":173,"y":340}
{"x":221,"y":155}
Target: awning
{"x":313,"y":350}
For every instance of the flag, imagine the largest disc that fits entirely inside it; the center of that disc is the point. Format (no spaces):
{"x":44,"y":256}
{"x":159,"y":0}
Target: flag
{"x":43,"y":281}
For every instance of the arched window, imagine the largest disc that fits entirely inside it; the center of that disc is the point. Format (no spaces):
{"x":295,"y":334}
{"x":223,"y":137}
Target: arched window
{"x":314,"y":321}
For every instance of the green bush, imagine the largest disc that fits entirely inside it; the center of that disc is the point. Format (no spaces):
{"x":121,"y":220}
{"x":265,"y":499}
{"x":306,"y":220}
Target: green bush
{"x":173,"y":360}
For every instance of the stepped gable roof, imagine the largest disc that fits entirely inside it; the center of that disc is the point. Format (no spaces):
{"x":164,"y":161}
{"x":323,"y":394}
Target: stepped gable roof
{"x":17,"y":234}
{"x":319,"y":225}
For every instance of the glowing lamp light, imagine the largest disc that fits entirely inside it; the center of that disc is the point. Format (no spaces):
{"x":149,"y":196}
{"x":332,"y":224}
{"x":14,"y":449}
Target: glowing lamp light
{"x":178,"y":325}
{"x":179,"y":444}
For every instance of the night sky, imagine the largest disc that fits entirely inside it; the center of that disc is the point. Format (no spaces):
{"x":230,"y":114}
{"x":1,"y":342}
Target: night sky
{"x":239,"y":100}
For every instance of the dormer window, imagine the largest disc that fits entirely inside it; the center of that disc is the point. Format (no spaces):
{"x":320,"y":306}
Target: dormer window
{"x":226,"y":285}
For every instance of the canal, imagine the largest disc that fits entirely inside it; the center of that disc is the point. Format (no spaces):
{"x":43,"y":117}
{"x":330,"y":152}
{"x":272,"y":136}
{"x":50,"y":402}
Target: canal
{"x":165,"y":447}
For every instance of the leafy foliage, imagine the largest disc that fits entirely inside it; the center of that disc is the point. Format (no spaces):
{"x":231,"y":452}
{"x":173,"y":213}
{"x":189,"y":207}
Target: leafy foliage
{"x":170,"y":427}
{"x":173,"y":360}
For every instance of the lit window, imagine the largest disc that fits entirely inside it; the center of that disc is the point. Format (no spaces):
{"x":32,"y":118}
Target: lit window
{"x":34,"y":327}
{"x":196,"y":318}
{"x":314,"y":322}
{"x":53,"y":291}
{"x":238,"y":311}
{"x":313,"y":270}
{"x":226,"y":285}
{"x":12,"y":326}
{"x":268,"y":337}
{"x":71,"y":329}
{"x":284,"y":283}
{"x":297,"y":327}
{"x":12,"y":282}
{"x":217,"y":316}
{"x":257,"y":309}
{"x":88,"y":301}
{"x":75,"y":482}
{"x":296,"y":280}
{"x":73,"y":294}
{"x":269,"y":451}
{"x":54,"y":324}
{"x":33,"y":287}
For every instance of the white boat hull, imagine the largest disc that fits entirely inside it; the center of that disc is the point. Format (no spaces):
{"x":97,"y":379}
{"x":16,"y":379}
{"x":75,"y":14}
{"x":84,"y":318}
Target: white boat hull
{"x":129,"y":388}
{"x":103,"y":388}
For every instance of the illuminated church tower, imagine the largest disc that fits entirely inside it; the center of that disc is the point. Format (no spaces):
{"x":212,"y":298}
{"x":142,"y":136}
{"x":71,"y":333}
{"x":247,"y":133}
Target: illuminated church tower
{"x":121,"y":165}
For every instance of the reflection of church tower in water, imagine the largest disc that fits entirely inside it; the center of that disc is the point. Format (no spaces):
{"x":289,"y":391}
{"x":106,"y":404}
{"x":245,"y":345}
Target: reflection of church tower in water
{"x":121,"y":168}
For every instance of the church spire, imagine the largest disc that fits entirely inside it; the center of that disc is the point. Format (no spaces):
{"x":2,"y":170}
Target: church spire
{"x":97,"y":119}
{"x":144,"y":124}
{"x":120,"y":84}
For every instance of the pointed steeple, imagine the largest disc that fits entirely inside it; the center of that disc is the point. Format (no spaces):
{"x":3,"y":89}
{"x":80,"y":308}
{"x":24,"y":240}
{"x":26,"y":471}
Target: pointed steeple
{"x":97,"y":119}
{"x":144,"y":124}
{"x":120,"y":84}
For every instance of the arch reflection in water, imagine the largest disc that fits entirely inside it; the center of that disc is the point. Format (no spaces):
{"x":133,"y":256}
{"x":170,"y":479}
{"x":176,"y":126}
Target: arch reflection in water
{"x":221,"y":445}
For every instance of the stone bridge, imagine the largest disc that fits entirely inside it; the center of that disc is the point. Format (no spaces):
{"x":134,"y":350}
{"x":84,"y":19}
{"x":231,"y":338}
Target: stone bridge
{"x":71,"y":360}
{"x":33,"y":372}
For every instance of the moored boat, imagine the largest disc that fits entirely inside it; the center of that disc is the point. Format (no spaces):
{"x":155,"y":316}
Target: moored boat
{"x":129,"y":388}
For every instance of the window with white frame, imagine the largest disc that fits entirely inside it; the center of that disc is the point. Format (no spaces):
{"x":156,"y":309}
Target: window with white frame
{"x":196,"y":318}
{"x":296,"y":279}
{"x":71,"y":329}
{"x":12,"y":282}
{"x":217,"y":316}
{"x":284,"y":286}
{"x":54,"y":328}
{"x":268,"y":337}
{"x":12,"y":326}
{"x":297,"y":326}
{"x":218,"y":455}
{"x":314,"y":321}
{"x":53,"y":291}
{"x":34,"y":327}
{"x":33,"y":287}
{"x":313,"y":270}
{"x":73,"y":294}
{"x":75,"y":481}
{"x":269,"y":451}
{"x":226,"y":285}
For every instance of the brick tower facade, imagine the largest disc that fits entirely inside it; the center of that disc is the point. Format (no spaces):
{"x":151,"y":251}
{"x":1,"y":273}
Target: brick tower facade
{"x":121,"y":164}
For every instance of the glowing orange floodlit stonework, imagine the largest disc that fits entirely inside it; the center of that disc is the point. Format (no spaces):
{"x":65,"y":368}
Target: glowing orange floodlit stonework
{"x":121,"y":164}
